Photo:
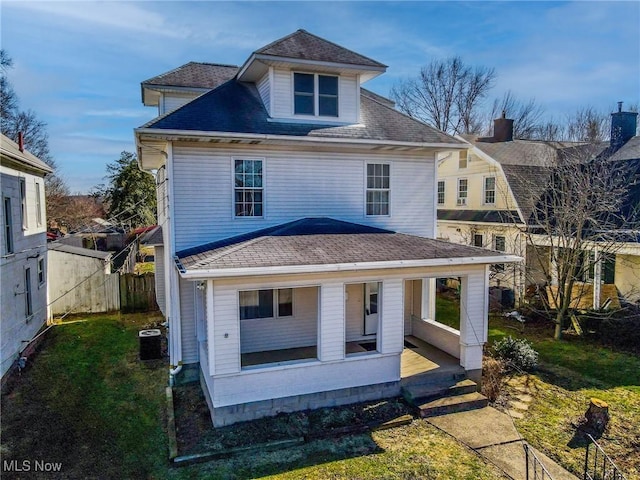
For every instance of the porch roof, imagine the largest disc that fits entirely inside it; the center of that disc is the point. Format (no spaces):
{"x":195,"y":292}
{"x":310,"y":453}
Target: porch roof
{"x":325,"y":244}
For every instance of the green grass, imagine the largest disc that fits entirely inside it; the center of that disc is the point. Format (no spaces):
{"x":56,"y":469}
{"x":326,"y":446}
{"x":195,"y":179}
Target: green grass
{"x":571,"y":372}
{"x":448,"y":311}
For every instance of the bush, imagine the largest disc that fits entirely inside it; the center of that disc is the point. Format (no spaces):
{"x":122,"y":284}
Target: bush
{"x":517,"y":354}
{"x":620,"y":332}
{"x":492,"y":378}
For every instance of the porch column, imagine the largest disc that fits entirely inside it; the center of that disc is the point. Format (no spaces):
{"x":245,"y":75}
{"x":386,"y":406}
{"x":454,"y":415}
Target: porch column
{"x":597,"y":278}
{"x":473,"y":321}
{"x":331,"y":325}
{"x":429,"y":298}
{"x":391,"y":326}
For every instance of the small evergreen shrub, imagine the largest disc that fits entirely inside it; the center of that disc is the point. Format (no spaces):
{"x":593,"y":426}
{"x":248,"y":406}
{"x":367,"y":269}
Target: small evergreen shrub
{"x":517,"y":354}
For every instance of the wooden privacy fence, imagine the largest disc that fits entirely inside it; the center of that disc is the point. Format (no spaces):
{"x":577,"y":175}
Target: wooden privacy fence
{"x":137,"y":293}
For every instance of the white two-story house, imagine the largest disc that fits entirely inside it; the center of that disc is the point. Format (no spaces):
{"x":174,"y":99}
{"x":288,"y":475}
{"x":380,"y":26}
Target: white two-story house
{"x":23,"y":250}
{"x":298,"y":217}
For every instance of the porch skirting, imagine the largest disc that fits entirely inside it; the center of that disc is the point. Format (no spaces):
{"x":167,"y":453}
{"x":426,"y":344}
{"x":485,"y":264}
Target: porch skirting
{"x":223,"y":416}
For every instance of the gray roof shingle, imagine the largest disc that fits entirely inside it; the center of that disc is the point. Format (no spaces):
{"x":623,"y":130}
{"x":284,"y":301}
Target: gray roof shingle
{"x":83,"y":252}
{"x":629,"y":151}
{"x":195,"y":75}
{"x":304,"y":45}
{"x":11,"y":150}
{"x":320,"y":241}
{"x":153,"y":237}
{"x":236,"y":107}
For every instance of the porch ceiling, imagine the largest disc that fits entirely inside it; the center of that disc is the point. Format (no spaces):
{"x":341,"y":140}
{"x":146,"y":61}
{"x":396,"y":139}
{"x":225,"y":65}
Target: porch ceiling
{"x":329,"y":243}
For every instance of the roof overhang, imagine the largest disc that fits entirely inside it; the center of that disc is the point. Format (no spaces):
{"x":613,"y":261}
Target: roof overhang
{"x":196,"y":274}
{"x":151,"y":93}
{"x":258,"y":64}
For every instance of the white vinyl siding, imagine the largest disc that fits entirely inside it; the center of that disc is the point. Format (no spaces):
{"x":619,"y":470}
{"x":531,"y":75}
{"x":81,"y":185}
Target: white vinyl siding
{"x":188,"y":322}
{"x":159,"y":276}
{"x":298,"y":330}
{"x":264,"y":89}
{"x":297,"y":184}
{"x":171,"y":101}
{"x":348,"y":98}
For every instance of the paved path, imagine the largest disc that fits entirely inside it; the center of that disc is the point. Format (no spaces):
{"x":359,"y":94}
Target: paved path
{"x":492,"y":434}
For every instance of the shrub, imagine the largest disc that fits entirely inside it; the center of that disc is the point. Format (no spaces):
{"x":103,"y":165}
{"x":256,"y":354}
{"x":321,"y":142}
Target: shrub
{"x":492,"y":378}
{"x":517,"y":354}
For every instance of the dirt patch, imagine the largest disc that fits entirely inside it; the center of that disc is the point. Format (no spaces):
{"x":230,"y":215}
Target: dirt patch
{"x":196,"y":434}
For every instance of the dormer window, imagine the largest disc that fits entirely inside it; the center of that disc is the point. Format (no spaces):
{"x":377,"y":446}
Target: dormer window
{"x":315,"y":94}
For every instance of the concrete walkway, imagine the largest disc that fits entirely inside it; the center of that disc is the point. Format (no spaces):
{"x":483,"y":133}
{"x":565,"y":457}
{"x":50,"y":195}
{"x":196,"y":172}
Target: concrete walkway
{"x":492,"y":434}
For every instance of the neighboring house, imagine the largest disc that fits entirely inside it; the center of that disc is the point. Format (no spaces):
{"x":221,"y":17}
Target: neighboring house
{"x":297,"y":214}
{"x":80,"y":280}
{"x":153,"y":238}
{"x":98,"y":234}
{"x":23,"y":249}
{"x":486,"y":195}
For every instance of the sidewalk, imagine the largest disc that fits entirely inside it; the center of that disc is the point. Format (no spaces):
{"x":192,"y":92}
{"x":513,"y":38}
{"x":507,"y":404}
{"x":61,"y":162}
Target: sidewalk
{"x":492,"y":434}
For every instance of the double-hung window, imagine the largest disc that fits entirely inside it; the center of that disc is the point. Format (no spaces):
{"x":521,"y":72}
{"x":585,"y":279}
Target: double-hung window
{"x":378,"y":189}
{"x":28,"y":300}
{"x":440,"y":192}
{"x":462,"y":160}
{"x":248,"y":188}
{"x":478,"y":240}
{"x":266,"y":303}
{"x":41,"y":273}
{"x":38,"y":206}
{"x":463,"y":188}
{"x":499,"y":244}
{"x":8,"y":226}
{"x":23,"y":204}
{"x":315,"y":94}
{"x":489,"y":190}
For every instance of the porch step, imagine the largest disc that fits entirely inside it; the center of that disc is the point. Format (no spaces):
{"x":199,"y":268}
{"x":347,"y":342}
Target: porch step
{"x":456,"y":403}
{"x":449,"y":374}
{"x":420,"y":394}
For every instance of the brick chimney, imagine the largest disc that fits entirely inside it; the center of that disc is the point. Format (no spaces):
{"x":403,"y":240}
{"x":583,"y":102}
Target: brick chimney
{"x":21,"y":141}
{"x":502,"y":130}
{"x":623,"y":127}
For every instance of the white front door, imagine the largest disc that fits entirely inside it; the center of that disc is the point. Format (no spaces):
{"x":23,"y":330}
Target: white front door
{"x":371,"y":307}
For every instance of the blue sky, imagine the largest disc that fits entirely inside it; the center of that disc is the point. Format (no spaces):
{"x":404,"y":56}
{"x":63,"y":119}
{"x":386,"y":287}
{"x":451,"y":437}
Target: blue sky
{"x":79,"y":64}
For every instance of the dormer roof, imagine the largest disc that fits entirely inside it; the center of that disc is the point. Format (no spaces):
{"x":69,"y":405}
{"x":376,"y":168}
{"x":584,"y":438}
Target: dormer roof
{"x":304,"y":50}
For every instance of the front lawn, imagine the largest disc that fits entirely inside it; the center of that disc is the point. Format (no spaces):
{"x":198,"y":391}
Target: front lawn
{"x":571,"y":372}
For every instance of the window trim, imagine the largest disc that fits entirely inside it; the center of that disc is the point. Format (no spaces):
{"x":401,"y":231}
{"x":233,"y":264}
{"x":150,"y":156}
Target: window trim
{"x":275,"y":296}
{"x":485,"y":191}
{"x":24,"y":212}
{"x":8,"y":226}
{"x":367,"y":189}
{"x":466,"y":159}
{"x":443,"y":192}
{"x":38,"y":204}
{"x":42,"y":272}
{"x":233,"y":188}
{"x":475,"y":236}
{"x":466,"y":192}
{"x":316,"y":96}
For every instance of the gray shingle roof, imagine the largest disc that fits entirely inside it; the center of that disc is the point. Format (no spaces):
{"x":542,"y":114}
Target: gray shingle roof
{"x":321,"y":241}
{"x":10,"y":149}
{"x":153,"y":237}
{"x":304,"y":45}
{"x":236,"y":107}
{"x":83,"y":252}
{"x":629,"y":151}
{"x":195,"y":75}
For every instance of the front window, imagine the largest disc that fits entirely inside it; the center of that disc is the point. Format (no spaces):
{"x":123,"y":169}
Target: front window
{"x":441,"y":192}
{"x":261,"y":303}
{"x":463,"y":187}
{"x":248,"y":191}
{"x":23,"y":204}
{"x":8,"y":226}
{"x":490,"y":190}
{"x":315,"y":94}
{"x":378,"y":188}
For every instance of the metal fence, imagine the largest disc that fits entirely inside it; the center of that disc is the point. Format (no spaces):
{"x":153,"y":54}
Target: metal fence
{"x":598,"y":465}
{"x":535,"y":470}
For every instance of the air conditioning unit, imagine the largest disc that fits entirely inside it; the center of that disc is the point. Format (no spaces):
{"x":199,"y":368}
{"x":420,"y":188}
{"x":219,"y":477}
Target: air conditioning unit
{"x":462,"y":201}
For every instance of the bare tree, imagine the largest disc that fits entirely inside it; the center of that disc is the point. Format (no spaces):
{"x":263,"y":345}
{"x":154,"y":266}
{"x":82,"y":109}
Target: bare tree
{"x":587,"y":125}
{"x":579,"y":208}
{"x":447,"y":94}
{"x":527,"y":116}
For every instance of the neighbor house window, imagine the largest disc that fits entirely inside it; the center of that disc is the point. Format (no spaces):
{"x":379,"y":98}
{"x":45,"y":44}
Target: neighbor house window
{"x":23,"y":204}
{"x":260,"y":303}
{"x":478,"y":240}
{"x":499,"y":244}
{"x":8,"y":226}
{"x":248,"y":191}
{"x":463,"y":187}
{"x":462,"y":159}
{"x":41,"y":273}
{"x":38,"y":206}
{"x":490,"y":190}
{"x":28,"y":301}
{"x":315,"y":94}
{"x":378,"y":187}
{"x":441,"y":192}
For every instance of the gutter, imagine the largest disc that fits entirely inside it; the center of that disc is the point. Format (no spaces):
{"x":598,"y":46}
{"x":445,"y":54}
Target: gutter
{"x":340,"y":267}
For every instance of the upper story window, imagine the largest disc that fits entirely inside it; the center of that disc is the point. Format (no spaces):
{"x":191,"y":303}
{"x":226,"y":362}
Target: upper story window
{"x":478,"y":240}
{"x":248,"y":188}
{"x":463,"y":190}
{"x":463,"y":160}
{"x":499,"y":244}
{"x":8,"y":226}
{"x":315,"y":94}
{"x":440,"y":192}
{"x":38,"y":206}
{"x":23,"y":204}
{"x":378,"y":189}
{"x":41,"y":273}
{"x":490,"y":190}
{"x":28,"y":300}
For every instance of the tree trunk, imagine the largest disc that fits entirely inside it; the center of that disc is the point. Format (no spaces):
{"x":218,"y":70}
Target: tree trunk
{"x":558,"y":332}
{"x":597,"y":416}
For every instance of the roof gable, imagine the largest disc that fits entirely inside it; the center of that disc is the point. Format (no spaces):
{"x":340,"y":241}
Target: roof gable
{"x":11,"y":151}
{"x":195,"y":75}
